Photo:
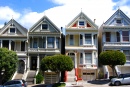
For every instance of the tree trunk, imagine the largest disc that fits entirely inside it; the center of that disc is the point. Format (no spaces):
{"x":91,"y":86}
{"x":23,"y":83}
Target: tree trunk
{"x":114,"y":71}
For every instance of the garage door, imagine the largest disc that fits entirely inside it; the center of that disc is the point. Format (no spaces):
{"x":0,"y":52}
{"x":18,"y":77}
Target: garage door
{"x":51,"y":77}
{"x":88,"y":76}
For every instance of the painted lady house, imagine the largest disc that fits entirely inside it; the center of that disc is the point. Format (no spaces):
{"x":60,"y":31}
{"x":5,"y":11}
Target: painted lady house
{"x":14,"y":37}
{"x":114,"y":34}
{"x":81,"y":44}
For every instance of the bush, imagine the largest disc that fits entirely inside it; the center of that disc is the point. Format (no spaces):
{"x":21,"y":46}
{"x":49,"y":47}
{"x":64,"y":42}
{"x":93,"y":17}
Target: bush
{"x":110,"y":77}
{"x":101,"y":75}
{"x":39,"y":78}
{"x":59,"y":85}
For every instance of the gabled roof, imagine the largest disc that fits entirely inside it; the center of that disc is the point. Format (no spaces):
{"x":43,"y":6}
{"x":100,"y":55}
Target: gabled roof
{"x":118,"y":14}
{"x":44,"y":18}
{"x":86,"y":18}
{"x":19,"y":27}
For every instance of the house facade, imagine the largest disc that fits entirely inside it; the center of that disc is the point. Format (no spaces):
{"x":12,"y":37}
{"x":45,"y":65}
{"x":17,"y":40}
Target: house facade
{"x":14,"y":37}
{"x":44,"y":39}
{"x":114,"y":34}
{"x":81,"y":44}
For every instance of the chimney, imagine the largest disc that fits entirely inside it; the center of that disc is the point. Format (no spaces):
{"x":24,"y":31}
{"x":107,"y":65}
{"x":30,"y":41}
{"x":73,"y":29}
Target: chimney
{"x":94,"y":20}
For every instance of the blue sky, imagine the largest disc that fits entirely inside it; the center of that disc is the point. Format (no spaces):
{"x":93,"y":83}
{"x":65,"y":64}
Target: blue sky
{"x":61,"y":12}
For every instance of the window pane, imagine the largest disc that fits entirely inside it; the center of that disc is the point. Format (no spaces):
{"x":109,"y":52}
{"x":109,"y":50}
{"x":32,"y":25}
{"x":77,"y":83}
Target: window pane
{"x":107,"y":36}
{"x":118,"y":36}
{"x":81,"y":23}
{"x":44,"y":26}
{"x":127,"y":54}
{"x":81,"y":58}
{"x":71,"y":40}
{"x":44,"y":42}
{"x":88,"y":39}
{"x":125,"y":35}
{"x":35,"y":43}
{"x":12,"y":30}
{"x":81,"y":39}
{"x":118,"y":21}
{"x":88,"y":57}
{"x":50,"y":42}
{"x":57,"y":42}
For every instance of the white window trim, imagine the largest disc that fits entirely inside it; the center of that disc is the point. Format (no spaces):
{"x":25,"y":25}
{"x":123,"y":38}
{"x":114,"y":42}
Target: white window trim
{"x":11,"y":32}
{"x":84,"y":39}
{"x":84,"y":23}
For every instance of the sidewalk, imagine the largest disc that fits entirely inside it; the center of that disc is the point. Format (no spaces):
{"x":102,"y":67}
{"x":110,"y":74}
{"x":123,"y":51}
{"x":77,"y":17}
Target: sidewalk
{"x":94,"y":83}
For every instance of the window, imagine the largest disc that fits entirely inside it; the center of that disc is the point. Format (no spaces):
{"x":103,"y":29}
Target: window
{"x":44,"y":26}
{"x":35,"y":43}
{"x":50,"y":42}
{"x":12,"y":30}
{"x":81,"y":23}
{"x":44,"y":42}
{"x":107,"y":36}
{"x":118,"y":21}
{"x":127,"y":54}
{"x":71,"y":40}
{"x":88,"y":57}
{"x":57,"y":42}
{"x":118,"y":36}
{"x":81,"y":39}
{"x":125,"y":35}
{"x":81,"y":58}
{"x":88,"y":39}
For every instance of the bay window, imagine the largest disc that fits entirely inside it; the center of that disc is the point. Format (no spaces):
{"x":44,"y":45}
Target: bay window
{"x":81,"y":39}
{"x":107,"y":36}
{"x":44,"y":42}
{"x":57,"y":42}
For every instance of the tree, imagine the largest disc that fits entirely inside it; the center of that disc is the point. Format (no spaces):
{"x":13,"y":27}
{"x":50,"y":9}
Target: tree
{"x":8,"y":63}
{"x":112,"y":58}
{"x":57,"y":63}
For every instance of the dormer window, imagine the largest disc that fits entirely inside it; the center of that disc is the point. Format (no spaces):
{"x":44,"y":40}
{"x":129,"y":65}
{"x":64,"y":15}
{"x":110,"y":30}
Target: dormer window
{"x":44,"y":26}
{"x":118,"y":21}
{"x":12,"y":30}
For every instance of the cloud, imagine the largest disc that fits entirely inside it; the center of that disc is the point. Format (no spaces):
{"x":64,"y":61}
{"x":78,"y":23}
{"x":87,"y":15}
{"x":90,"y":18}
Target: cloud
{"x":6,"y":13}
{"x":66,"y":10}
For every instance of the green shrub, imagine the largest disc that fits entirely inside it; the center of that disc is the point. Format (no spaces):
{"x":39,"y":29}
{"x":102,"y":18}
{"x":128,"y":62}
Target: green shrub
{"x":110,"y":77}
{"x":101,"y":75}
{"x":59,"y":85}
{"x":39,"y":78}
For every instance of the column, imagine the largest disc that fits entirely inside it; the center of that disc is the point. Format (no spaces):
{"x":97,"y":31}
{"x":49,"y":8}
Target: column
{"x":92,"y":57}
{"x":75,"y":59}
{"x":55,"y":42}
{"x":28,"y":66}
{"x":83,"y":57}
{"x":9,"y":44}
{"x":83,"y":39}
{"x":25,"y":67}
{"x":38,"y":63}
{"x":46,"y":42}
{"x":92,"y":39}
{"x":121,"y":36}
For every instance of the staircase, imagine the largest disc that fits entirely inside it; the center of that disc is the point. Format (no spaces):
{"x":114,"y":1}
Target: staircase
{"x":18,"y":76}
{"x":71,"y":76}
{"x":30,"y":77}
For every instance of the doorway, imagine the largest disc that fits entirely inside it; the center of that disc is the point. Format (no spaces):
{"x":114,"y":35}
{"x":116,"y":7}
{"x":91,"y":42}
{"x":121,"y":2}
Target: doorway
{"x":33,"y":63}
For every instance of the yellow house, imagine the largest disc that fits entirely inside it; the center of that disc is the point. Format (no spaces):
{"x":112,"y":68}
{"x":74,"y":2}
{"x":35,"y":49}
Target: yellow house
{"x":81,"y":44}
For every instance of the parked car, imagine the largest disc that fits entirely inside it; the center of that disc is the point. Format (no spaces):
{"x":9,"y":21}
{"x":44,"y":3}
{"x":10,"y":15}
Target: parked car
{"x":15,"y":83}
{"x":122,"y":79}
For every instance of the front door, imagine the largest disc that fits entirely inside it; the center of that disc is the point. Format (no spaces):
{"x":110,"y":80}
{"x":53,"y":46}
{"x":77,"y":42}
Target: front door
{"x":21,"y":66}
{"x":34,"y":63}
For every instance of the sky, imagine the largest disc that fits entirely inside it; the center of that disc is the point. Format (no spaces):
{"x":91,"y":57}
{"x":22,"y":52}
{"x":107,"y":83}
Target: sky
{"x":60,"y":12}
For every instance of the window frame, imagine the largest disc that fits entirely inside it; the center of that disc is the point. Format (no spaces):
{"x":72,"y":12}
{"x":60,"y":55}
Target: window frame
{"x":88,"y":41}
{"x":87,"y":58}
{"x":51,"y":42}
{"x":125,"y":36}
{"x":12,"y":28}
{"x":71,"y":38}
{"x":46,"y":26}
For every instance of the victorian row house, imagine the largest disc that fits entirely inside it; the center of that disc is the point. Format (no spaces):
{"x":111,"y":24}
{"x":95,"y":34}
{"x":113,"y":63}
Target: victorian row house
{"x":80,"y":42}
{"x":114,"y":34}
